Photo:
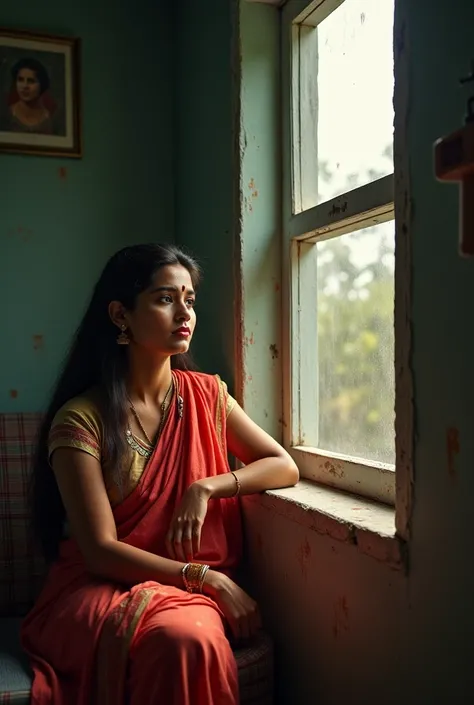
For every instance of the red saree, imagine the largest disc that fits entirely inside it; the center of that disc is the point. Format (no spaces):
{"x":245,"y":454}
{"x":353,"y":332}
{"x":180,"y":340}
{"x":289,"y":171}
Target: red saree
{"x":98,"y":643}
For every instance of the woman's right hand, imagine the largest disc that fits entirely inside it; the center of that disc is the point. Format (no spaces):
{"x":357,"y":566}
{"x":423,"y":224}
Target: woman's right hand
{"x":239,"y":609}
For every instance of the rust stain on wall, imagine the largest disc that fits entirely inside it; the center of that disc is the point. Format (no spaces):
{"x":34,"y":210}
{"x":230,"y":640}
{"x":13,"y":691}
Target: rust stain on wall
{"x":249,"y":340}
{"x":303,"y":557}
{"x":13,"y":393}
{"x":38,"y":341}
{"x":62,"y":173}
{"x":452,"y":450}
{"x":252,"y":184}
{"x":340,"y":617}
{"x":274,"y":351}
{"x":333,"y":469}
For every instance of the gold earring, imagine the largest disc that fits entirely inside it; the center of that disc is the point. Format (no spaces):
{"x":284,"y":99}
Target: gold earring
{"x":123,"y":338}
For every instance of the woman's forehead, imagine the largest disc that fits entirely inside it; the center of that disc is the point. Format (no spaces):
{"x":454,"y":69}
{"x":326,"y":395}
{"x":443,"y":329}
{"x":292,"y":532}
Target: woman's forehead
{"x":175,"y":276}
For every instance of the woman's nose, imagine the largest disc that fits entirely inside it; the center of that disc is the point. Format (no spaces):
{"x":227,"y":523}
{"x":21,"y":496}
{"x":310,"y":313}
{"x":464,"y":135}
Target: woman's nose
{"x":184,"y":314}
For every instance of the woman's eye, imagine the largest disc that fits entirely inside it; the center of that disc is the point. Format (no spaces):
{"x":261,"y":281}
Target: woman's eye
{"x":166,"y":299}
{"x":191,"y":302}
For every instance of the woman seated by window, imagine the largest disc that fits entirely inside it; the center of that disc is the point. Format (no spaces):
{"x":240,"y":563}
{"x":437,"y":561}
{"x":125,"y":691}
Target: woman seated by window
{"x":136,"y":507}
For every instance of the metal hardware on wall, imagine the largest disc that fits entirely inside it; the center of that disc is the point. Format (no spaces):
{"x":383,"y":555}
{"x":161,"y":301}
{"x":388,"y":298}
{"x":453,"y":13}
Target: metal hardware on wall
{"x":454,"y":161}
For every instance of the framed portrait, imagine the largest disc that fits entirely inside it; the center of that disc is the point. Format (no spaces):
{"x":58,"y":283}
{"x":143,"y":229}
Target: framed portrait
{"x":39,"y":94}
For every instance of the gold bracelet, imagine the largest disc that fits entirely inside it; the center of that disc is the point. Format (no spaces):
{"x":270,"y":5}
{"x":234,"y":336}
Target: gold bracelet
{"x":193,"y":576}
{"x":204,"y":570}
{"x":237,"y":484}
{"x":183,"y":575}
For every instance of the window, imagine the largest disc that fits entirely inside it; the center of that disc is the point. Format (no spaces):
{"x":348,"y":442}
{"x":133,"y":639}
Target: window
{"x":339,"y":221}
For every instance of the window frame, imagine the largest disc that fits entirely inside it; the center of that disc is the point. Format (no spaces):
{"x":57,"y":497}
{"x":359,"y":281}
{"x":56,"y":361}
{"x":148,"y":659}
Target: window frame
{"x":362,"y":207}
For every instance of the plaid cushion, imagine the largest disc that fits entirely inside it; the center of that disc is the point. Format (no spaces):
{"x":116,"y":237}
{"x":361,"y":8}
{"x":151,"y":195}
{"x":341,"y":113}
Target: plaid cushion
{"x":21,"y":568}
{"x":255,"y":664}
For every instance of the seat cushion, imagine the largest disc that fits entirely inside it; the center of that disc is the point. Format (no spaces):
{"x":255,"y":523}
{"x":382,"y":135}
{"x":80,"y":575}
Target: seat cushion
{"x":15,"y":673}
{"x":255,"y":664}
{"x":21,"y":567}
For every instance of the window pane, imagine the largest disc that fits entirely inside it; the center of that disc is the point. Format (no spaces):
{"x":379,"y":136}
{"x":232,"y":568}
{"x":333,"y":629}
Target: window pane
{"x":356,"y":344}
{"x":352,"y":101}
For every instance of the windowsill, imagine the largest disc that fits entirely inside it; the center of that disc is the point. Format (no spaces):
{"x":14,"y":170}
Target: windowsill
{"x":368,"y":525}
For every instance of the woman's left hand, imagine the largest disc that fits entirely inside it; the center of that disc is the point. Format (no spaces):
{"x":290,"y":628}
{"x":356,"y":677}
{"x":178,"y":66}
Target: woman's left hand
{"x":183,"y":539}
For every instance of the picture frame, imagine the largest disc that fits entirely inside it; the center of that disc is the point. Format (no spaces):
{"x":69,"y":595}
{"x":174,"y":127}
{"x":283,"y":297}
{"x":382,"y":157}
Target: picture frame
{"x":40,"y":111}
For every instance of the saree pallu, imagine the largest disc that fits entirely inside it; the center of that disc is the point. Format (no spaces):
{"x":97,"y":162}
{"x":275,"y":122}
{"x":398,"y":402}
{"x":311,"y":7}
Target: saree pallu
{"x":93,"y":642}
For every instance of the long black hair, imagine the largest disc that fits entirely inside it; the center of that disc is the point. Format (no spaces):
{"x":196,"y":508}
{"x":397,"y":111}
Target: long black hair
{"x":95,"y":359}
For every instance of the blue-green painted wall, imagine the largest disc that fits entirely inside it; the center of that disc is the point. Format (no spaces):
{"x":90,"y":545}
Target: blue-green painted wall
{"x":260,"y":215}
{"x":206,"y":219}
{"x":57,"y":228}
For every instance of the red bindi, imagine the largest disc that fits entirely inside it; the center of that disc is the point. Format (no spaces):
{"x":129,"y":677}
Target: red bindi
{"x":183,"y":289}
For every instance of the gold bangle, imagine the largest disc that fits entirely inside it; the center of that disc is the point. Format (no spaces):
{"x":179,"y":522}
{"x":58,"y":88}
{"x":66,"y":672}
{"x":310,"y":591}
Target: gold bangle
{"x":204,"y":570}
{"x":193,"y":576}
{"x":237,"y":484}
{"x":183,"y":575}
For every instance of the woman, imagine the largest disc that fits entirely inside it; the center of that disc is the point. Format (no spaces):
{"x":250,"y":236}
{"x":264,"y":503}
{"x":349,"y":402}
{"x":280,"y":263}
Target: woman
{"x":29,"y":114}
{"x":141,"y":599}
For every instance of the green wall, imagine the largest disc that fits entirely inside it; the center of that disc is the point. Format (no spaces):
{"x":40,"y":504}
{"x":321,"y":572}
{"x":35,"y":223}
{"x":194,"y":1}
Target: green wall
{"x":441,"y":44}
{"x":58,"y":227}
{"x":205,"y":170}
{"x":260,"y":216}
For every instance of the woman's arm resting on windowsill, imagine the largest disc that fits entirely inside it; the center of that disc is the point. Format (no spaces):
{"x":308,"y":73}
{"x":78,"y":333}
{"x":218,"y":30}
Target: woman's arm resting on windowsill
{"x":267,"y":465}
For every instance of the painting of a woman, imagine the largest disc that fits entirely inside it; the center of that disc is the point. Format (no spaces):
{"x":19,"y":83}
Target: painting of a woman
{"x":39,"y":94}
{"x":28,"y":113}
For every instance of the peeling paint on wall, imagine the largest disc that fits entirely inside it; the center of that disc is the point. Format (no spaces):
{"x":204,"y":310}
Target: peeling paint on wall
{"x":404,"y":406}
{"x":334,"y":468}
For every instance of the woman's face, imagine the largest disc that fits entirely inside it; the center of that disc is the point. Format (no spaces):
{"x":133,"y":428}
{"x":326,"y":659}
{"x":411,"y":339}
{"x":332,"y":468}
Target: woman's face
{"x":164,"y":318}
{"x":27,"y":85}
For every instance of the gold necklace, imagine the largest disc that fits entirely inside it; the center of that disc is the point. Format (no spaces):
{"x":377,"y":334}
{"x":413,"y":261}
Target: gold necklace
{"x":130,"y":437}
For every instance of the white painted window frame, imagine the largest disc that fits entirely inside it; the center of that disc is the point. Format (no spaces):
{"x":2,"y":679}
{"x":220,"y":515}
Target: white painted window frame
{"x":363,"y":207}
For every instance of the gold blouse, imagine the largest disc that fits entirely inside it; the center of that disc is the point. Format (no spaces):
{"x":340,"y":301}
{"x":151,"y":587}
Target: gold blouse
{"x":78,"y":424}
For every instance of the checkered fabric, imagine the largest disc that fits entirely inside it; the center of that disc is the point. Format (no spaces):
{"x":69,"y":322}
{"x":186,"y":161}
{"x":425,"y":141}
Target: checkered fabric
{"x":255,"y":664}
{"x":22,"y":572}
{"x":21,"y":568}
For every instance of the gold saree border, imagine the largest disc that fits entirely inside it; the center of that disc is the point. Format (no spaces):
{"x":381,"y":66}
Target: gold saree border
{"x":111,"y":662}
{"x":220,"y":407}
